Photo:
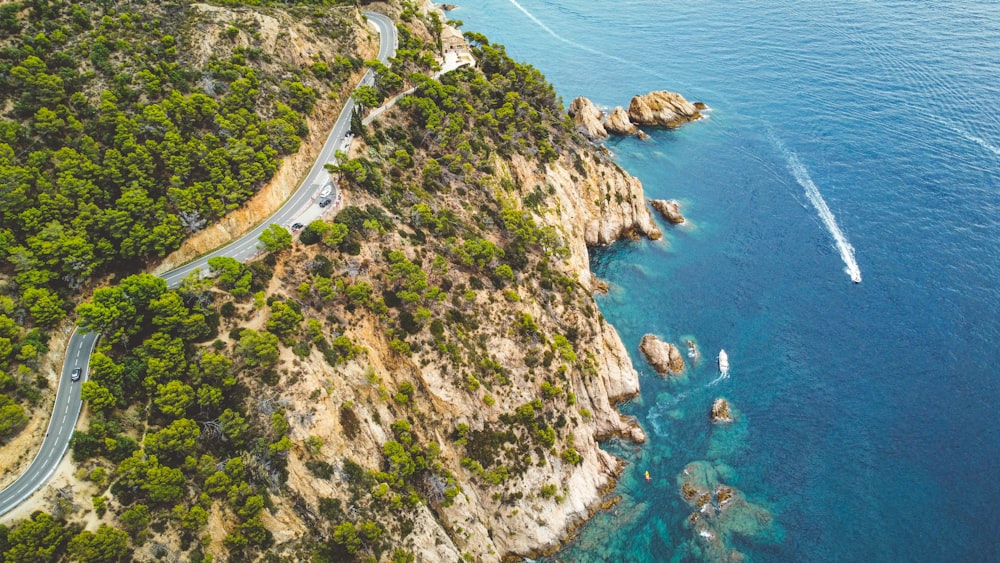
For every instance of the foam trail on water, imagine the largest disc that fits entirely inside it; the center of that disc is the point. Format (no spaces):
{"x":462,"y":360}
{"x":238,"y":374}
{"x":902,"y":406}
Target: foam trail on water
{"x":979,"y":141}
{"x":570,"y":42}
{"x":812,"y":192}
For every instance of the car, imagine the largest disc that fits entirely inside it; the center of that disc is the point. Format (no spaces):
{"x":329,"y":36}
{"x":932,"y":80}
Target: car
{"x":325,"y":202}
{"x":297,"y":226}
{"x":327,"y":190}
{"x":77,"y":372}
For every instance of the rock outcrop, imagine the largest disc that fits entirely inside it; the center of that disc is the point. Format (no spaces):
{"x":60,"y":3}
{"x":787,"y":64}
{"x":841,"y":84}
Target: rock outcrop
{"x":663,"y":356}
{"x":618,"y":123}
{"x":719,"y":513}
{"x":720,"y":411}
{"x":662,"y":109}
{"x":670,"y":209}
{"x":587,"y":118}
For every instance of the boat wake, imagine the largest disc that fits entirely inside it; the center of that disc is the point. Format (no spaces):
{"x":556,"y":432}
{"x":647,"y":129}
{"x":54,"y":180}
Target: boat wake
{"x":801,"y":175}
{"x":582,"y":47}
{"x":979,"y":141}
{"x":716,"y":381}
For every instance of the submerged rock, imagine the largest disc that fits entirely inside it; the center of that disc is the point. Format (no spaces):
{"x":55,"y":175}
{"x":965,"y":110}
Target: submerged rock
{"x":720,"y":411}
{"x":618,"y":123}
{"x":663,"y":356}
{"x":662,"y":108}
{"x":587,"y":118}
{"x":670,"y":209}
{"x":719,"y":513}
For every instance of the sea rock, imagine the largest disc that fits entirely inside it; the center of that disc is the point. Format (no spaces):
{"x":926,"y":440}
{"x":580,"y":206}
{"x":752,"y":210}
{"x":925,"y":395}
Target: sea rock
{"x":670,"y":209}
{"x":641,"y":134}
{"x":618,"y":123}
{"x":662,"y":108}
{"x":587,"y":118}
{"x":720,"y":411}
{"x":663,"y":356}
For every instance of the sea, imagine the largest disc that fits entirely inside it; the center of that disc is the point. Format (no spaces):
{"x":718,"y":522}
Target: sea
{"x":844,"y":138}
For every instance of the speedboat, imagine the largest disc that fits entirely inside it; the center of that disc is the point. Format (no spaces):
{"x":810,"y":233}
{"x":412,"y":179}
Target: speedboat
{"x":723,"y":362}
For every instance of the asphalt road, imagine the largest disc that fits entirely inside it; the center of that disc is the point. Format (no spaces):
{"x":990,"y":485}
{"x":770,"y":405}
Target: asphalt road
{"x":68,"y":405}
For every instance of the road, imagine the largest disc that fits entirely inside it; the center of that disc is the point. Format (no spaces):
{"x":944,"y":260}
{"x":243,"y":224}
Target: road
{"x":68,"y":405}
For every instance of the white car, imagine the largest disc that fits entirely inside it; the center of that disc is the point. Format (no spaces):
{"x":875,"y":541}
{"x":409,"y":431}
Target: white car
{"x":327,"y":190}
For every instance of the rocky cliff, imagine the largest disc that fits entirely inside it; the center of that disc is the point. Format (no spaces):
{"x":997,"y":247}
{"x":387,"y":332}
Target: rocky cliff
{"x":483,"y":375}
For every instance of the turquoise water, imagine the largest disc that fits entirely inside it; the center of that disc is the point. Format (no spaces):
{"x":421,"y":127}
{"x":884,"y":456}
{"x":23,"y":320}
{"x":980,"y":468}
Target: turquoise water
{"x":866,"y":425}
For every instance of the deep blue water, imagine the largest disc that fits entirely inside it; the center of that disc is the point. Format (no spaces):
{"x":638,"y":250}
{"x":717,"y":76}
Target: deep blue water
{"x":867,"y":414}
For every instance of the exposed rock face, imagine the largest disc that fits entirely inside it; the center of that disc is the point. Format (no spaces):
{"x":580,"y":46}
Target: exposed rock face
{"x":720,"y":411}
{"x":587,"y":118}
{"x":618,"y":123}
{"x":663,"y":356}
{"x":670,"y":209}
{"x":662,"y":109}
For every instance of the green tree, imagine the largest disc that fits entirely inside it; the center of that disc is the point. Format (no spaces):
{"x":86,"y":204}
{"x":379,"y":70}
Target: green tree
{"x":97,"y":396}
{"x":275,"y":238}
{"x":258,"y":349}
{"x":284,"y":320}
{"x":108,"y":545}
{"x":12,"y":417}
{"x":174,"y":441}
{"x":232,"y":274}
{"x":41,"y":538}
{"x":45,"y":306}
{"x":174,"y":398}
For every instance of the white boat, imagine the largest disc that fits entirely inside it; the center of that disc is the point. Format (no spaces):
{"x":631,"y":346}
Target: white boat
{"x":723,"y":362}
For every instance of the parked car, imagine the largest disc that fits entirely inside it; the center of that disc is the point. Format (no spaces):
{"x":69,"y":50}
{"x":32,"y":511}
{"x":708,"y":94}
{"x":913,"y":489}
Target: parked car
{"x":77,"y":372}
{"x":327,"y":190}
{"x":325,"y":202}
{"x":297,"y":227}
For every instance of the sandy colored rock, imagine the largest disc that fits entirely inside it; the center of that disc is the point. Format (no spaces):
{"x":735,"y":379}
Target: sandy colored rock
{"x":587,"y":118}
{"x":720,"y":411}
{"x":670,"y":209}
{"x":618,"y":123}
{"x":663,"y":356}
{"x":662,"y":109}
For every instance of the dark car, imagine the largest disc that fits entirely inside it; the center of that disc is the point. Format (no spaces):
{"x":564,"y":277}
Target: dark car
{"x":75,"y":376}
{"x":325,"y":202}
{"x":296,"y":227}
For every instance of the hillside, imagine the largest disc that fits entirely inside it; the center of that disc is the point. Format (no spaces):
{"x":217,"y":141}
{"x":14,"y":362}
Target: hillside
{"x":426,"y":375}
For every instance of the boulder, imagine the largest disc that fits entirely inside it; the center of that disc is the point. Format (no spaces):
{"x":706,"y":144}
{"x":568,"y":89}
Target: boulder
{"x":641,"y":134}
{"x":618,"y":123}
{"x":587,"y":118}
{"x":663,"y":356}
{"x":720,"y":411}
{"x":670,"y":209}
{"x":662,"y":109}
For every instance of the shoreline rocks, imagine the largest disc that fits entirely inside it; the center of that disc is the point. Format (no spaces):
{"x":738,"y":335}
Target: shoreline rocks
{"x":663,"y":356}
{"x":721,"y":412}
{"x":659,"y":108}
{"x":587,"y":118}
{"x":662,"y":109}
{"x":618,"y":123}
{"x":670,"y":209}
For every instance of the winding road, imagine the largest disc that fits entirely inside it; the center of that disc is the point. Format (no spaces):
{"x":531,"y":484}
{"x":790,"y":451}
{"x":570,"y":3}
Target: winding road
{"x":68,"y":405}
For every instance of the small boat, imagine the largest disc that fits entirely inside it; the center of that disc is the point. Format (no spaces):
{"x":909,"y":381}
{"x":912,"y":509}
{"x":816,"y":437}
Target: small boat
{"x":723,"y":362}
{"x":647,"y":477}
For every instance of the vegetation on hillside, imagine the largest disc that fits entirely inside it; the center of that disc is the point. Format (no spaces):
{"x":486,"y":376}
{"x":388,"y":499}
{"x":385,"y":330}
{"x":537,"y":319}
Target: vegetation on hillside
{"x":118,"y":139}
{"x":440,"y":253}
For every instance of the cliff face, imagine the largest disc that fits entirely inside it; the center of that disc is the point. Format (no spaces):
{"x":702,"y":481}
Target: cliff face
{"x":590,"y":201}
{"x":472,"y":377}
